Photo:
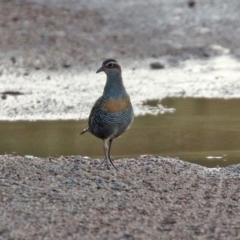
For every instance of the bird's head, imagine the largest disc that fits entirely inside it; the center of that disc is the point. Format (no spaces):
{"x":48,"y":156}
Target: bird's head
{"x":110,"y":66}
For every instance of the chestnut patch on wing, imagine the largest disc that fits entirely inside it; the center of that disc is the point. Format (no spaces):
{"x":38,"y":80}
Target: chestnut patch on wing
{"x":117,"y":105}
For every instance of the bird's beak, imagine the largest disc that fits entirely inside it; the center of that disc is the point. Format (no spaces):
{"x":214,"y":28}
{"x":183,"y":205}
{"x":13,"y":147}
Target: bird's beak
{"x":100,"y":69}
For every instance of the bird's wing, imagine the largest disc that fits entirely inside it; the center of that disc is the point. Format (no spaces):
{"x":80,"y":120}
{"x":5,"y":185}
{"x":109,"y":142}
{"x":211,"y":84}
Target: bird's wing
{"x":95,"y":108}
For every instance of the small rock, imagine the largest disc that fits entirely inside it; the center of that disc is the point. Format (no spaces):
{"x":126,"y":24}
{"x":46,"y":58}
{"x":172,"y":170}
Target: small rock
{"x":28,"y":157}
{"x":66,"y":65}
{"x":191,"y":3}
{"x":69,"y":181}
{"x":13,"y":60}
{"x":12,"y":93}
{"x":37,"y":64}
{"x":156,"y":65}
{"x":15,"y":19}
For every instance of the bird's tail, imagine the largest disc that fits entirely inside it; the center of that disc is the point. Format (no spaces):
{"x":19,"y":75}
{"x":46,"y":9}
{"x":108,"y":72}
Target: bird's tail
{"x":84,"y":131}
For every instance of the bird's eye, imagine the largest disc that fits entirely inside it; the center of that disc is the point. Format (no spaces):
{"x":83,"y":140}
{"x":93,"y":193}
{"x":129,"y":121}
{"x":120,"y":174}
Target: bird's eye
{"x":110,"y":65}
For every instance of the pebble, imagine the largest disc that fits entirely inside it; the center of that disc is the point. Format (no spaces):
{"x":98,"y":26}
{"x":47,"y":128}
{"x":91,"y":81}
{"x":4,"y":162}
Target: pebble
{"x":156,"y":65}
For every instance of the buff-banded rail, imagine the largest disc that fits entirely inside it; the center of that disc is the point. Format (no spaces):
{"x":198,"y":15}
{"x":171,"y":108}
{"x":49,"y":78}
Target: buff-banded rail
{"x":112,"y":114}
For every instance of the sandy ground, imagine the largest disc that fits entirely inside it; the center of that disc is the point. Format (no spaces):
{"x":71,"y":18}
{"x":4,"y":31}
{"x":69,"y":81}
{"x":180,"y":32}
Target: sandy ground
{"x":49,"y":52}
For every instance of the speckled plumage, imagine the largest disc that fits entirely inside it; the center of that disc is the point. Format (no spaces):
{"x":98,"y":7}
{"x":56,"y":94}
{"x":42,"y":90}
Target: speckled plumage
{"x":112,"y":114}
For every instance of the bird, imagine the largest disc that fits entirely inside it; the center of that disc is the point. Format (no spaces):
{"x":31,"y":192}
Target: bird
{"x":112,"y":114}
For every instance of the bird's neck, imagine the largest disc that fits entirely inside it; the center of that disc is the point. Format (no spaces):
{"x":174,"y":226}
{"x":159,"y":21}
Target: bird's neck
{"x":114,"y":87}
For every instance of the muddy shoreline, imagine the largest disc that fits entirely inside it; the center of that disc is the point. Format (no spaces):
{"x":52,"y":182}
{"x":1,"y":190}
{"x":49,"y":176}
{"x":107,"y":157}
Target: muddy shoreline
{"x":49,"y":54}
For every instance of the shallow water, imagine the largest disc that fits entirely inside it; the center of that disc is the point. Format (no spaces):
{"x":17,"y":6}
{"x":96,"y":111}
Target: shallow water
{"x":203,"y":131}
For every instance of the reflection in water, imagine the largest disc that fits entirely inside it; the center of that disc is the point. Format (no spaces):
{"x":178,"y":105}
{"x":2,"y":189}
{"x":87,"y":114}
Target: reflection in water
{"x":205,"y":131}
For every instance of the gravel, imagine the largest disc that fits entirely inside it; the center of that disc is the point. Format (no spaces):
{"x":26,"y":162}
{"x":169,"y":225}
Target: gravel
{"x":150,"y":197}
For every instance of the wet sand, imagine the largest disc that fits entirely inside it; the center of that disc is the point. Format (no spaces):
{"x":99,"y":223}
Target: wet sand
{"x":150,"y":197}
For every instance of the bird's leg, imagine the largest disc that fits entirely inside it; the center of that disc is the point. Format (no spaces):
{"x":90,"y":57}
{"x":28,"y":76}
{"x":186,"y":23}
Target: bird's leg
{"x":105,"y":148}
{"x":109,"y":149}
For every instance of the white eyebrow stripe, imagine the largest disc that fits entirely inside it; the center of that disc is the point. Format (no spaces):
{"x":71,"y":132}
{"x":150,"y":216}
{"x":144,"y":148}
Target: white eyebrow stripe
{"x":112,"y":63}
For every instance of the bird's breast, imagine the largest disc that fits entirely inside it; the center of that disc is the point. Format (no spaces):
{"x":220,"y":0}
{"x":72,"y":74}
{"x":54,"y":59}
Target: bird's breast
{"x":116,"y":105}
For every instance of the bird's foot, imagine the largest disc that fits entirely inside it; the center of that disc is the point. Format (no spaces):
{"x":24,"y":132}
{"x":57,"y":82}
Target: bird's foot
{"x":101,"y":164}
{"x":108,"y":165}
{"x":111,"y":161}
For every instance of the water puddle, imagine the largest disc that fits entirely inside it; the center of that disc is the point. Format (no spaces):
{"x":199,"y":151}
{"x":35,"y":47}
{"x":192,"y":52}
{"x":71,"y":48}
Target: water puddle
{"x":203,"y":131}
